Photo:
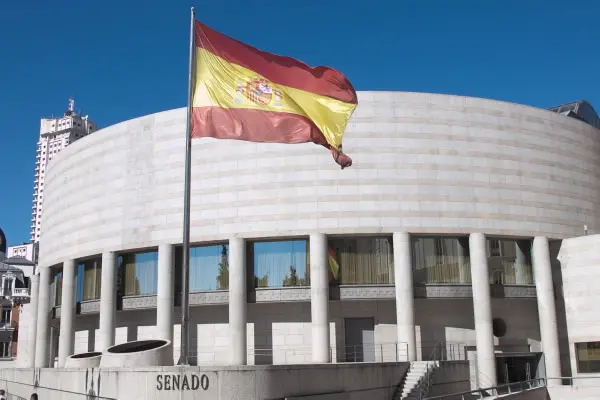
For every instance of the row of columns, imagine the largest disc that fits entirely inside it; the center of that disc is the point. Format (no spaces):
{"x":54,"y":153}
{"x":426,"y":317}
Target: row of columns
{"x":320,"y":318}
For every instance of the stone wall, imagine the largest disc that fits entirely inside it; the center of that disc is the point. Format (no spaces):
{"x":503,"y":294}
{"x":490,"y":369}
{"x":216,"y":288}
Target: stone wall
{"x":351,"y":381}
{"x":580,"y":262}
{"x":280,"y":333}
{"x":459,"y":164}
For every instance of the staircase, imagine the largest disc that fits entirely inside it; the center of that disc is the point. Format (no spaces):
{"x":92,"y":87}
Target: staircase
{"x":417,"y":380}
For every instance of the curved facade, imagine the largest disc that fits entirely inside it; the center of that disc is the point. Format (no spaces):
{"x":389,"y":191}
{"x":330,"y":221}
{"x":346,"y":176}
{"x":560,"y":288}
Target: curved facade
{"x":424,"y":163}
{"x":446,"y":196}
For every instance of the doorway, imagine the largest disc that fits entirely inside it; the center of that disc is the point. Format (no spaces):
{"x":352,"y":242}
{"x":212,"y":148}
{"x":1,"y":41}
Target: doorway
{"x":360,"y":339}
{"x":512,"y":368}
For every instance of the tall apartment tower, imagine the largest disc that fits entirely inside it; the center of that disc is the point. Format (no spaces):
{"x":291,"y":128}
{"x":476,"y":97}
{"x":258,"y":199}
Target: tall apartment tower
{"x":55,"y":135}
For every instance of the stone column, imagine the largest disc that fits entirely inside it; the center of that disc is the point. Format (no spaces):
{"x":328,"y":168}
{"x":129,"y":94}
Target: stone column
{"x":165,"y":305}
{"x":43,"y":319}
{"x":108,"y":302}
{"x":405,"y":297}
{"x":238,"y":299}
{"x":319,"y":298}
{"x":33,"y":311}
{"x":521,"y":277}
{"x":67,"y":313}
{"x":482,"y":311}
{"x":546,"y":307}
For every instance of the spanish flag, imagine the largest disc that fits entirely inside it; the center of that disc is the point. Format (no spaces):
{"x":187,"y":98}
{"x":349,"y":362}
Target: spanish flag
{"x":243,"y":93}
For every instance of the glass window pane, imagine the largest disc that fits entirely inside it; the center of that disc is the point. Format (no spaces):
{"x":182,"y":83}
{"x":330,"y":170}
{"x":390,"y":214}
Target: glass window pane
{"x":509,"y":261}
{"x":588,"y":357}
{"x":280,"y":263}
{"x":361,"y":261}
{"x":441,"y":260}
{"x":57,"y":287}
{"x":89,"y":279}
{"x":209,"y":268}
{"x":140,"y":273}
{"x":80,"y":281}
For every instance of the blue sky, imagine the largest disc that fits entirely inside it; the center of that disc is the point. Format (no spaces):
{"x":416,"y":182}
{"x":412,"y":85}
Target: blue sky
{"x":122,"y":59}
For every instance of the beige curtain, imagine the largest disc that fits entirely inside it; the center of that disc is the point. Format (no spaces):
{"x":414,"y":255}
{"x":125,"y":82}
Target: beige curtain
{"x":364,"y":261}
{"x":131,"y":286}
{"x":443,"y":260}
{"x":91,"y":281}
{"x":58,"y":288}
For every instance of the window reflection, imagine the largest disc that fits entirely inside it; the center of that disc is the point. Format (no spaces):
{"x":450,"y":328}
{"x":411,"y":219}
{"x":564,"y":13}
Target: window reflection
{"x":139,"y":273}
{"x":509,"y":261}
{"x":441,"y":260}
{"x":89,"y":279}
{"x":361,"y":261}
{"x":209,"y":268}
{"x":280,"y":263}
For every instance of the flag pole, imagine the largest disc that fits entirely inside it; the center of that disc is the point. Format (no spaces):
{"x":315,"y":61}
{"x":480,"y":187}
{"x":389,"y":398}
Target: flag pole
{"x":185,"y":270}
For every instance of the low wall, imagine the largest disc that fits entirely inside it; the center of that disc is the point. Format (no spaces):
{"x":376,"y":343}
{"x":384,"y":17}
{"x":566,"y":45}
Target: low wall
{"x":451,"y":377}
{"x":532,"y":394}
{"x":574,"y":393}
{"x":353,"y":381}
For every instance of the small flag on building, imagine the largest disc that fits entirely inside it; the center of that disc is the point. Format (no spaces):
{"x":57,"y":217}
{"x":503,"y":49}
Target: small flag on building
{"x":243,"y":93}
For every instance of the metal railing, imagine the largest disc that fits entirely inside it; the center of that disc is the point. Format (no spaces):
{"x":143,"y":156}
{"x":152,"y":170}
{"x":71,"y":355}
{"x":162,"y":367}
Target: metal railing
{"x":11,"y":388}
{"x":499,"y":390}
{"x":6,"y":325}
{"x":424,"y":384}
{"x":21,"y":292}
{"x":381,"y":352}
{"x":15,"y":292}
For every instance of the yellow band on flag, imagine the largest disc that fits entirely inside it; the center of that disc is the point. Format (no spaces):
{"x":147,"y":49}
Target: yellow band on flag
{"x":223,"y":84}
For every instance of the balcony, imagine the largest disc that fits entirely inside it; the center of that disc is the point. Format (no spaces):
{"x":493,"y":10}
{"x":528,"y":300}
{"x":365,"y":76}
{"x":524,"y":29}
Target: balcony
{"x":8,"y":325}
{"x":22,"y":293}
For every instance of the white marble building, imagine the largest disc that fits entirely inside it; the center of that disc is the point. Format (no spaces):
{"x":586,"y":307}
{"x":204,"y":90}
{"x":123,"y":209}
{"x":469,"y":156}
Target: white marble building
{"x":452,"y":207}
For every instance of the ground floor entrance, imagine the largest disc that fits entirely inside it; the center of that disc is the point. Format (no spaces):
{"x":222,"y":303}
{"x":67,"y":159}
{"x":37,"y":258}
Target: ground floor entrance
{"x":517,"y":367}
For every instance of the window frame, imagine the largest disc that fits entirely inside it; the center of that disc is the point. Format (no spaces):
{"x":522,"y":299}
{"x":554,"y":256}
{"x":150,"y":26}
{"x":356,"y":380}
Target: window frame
{"x":579,"y":362}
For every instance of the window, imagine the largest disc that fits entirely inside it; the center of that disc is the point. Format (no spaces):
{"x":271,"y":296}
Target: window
{"x":509,"y":261}
{"x":361,"y":261}
{"x":7,"y":285}
{"x":441,"y":260}
{"x":209,"y":268}
{"x":139,"y":273}
{"x":6,"y":314}
{"x":89,"y":278}
{"x":588,"y":357}
{"x":280,"y":263}
{"x":57,"y":283}
{"x":4,"y":350}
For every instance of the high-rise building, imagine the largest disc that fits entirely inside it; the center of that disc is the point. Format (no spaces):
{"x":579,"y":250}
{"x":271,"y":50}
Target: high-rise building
{"x":55,"y":135}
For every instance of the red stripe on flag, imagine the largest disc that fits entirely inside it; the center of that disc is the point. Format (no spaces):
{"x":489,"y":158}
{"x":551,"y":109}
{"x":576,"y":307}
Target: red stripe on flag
{"x":283,"y":70}
{"x":260,"y":126}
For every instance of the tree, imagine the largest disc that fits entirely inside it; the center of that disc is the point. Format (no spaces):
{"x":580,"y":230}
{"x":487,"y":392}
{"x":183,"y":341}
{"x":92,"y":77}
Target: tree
{"x":261,"y":282}
{"x":292,"y":278}
{"x":223,"y":276}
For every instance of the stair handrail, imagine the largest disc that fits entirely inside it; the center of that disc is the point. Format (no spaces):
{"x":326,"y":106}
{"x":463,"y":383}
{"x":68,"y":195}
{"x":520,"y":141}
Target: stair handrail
{"x":424,"y":384}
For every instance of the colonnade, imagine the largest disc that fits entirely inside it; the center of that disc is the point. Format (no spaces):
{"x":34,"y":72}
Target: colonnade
{"x":319,"y":303}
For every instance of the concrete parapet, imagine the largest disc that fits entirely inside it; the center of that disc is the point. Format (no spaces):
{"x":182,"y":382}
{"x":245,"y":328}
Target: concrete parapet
{"x":84,"y":360}
{"x":140,"y":353}
{"x":355,"y":381}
